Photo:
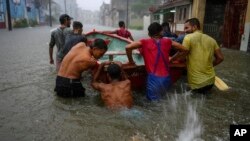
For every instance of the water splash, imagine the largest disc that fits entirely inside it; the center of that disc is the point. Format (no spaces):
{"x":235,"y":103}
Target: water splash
{"x":193,"y":128}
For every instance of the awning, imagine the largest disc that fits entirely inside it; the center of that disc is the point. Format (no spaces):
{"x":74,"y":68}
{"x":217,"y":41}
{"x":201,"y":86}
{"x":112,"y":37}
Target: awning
{"x":165,"y":8}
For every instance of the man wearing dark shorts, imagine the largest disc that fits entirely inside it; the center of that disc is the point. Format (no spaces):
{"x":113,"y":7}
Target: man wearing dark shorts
{"x":66,"y":87}
{"x":79,"y":59}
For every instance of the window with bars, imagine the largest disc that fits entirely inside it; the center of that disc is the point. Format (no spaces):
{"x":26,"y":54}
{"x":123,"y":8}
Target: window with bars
{"x":182,"y":14}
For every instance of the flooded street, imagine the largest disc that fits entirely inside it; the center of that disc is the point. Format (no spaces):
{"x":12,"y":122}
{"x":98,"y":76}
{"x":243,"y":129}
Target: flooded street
{"x":30,"y":110}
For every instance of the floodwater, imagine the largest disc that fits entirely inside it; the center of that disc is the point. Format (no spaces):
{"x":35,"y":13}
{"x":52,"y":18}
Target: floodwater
{"x":30,"y":110}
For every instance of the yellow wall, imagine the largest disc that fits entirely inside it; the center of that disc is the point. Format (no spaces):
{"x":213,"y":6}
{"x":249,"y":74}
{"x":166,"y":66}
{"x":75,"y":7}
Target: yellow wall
{"x":198,"y":10}
{"x":248,"y":12}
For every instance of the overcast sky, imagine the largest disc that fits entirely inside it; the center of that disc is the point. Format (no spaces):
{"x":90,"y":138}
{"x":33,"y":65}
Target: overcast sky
{"x":91,"y":4}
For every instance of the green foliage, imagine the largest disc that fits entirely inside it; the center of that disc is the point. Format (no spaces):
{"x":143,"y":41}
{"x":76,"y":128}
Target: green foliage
{"x":142,"y":6}
{"x":137,"y":27}
{"x":24,"y":23}
{"x":33,"y":23}
{"x":21,"y":23}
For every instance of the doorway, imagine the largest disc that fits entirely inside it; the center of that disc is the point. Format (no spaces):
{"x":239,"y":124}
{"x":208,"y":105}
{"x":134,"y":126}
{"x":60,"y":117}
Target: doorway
{"x":235,"y":14}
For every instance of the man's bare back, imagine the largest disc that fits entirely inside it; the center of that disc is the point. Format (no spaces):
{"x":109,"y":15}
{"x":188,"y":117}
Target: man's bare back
{"x":117,"y":94}
{"x":76,"y":61}
{"x":79,"y":59}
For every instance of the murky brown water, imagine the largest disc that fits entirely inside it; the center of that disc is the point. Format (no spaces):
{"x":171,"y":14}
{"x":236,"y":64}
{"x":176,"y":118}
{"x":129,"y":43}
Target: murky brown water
{"x":31,"y":111}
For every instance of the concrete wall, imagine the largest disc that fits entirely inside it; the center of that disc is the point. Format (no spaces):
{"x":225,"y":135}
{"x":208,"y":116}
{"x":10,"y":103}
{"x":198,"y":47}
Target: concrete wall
{"x":17,"y":10}
{"x":198,"y":10}
{"x":146,"y":23}
{"x":245,"y":43}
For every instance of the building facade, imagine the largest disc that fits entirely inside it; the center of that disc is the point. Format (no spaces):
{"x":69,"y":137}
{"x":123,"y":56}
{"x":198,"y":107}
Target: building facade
{"x":23,"y":12}
{"x":228,"y":21}
{"x":88,"y":17}
{"x":65,"y":6}
{"x":2,"y":14}
{"x":173,"y":11}
{"x":32,"y":12}
{"x":105,"y":14}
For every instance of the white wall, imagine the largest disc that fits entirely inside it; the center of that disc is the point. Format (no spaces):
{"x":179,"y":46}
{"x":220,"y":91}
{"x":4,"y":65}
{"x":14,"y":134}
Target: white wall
{"x":179,"y":27}
{"x":146,"y":22}
{"x":245,"y":37}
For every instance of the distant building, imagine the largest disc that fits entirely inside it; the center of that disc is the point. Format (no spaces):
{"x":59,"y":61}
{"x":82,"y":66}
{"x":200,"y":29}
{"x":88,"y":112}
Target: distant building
{"x":24,"y":12}
{"x":2,"y":14}
{"x":176,"y":12}
{"x":119,"y":11}
{"x":65,"y":6}
{"x":88,"y":17}
{"x":106,"y":14}
{"x":130,"y":11}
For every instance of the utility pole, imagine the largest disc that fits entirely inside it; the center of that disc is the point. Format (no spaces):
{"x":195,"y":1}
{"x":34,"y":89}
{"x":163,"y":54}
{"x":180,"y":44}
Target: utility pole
{"x":50,"y":18}
{"x":9,"y":15}
{"x":65,"y":7}
{"x":26,"y":14}
{"x":127,"y":15}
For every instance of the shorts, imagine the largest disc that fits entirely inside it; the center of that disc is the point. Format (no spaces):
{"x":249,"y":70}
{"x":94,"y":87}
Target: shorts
{"x":66,"y":87}
{"x":157,"y":86}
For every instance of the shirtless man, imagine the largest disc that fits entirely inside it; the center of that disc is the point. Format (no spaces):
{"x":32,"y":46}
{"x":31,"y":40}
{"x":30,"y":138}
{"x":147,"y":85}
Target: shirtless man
{"x":80,"y":58}
{"x":117,"y":94}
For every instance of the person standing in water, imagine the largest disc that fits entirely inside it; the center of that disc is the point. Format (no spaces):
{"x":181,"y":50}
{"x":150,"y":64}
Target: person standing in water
{"x":155,"y":51}
{"x":122,"y":31}
{"x":58,"y":38}
{"x":203,"y":54}
{"x":116,"y":94}
{"x":72,"y":39}
{"x":79,"y":59}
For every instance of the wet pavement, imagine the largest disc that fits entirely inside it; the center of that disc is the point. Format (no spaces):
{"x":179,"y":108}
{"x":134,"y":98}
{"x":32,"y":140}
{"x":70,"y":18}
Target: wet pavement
{"x":30,"y":110}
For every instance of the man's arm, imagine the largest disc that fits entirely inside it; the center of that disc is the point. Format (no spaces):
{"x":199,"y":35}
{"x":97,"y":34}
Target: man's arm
{"x":179,"y":47}
{"x":95,"y":83}
{"x":131,"y":37}
{"x":110,"y":32}
{"x":182,"y":51}
{"x":124,"y":74}
{"x":51,"y":56}
{"x":130,"y":48}
{"x":218,"y":57}
{"x":51,"y":45}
